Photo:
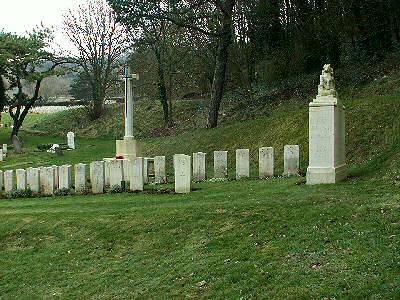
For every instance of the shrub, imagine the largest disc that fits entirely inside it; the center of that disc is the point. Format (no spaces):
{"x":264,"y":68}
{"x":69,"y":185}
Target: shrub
{"x":116,"y":189}
{"x":15,"y":194}
{"x":62,"y":192}
{"x":44,"y":147}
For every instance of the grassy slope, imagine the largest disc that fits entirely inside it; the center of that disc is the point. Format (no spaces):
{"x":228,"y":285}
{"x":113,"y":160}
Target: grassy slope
{"x":249,"y":239}
{"x":373,"y":137}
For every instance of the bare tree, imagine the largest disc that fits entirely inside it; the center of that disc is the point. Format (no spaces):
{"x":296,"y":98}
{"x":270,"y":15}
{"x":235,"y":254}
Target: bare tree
{"x":212,"y":18}
{"x":99,"y":43}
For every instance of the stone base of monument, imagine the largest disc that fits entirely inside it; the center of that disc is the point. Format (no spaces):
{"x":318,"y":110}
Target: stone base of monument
{"x":326,"y":175}
{"x":128,"y":148}
{"x":327,"y":144}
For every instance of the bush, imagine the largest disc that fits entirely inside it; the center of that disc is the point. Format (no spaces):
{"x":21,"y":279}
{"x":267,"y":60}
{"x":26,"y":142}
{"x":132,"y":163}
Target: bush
{"x":62,"y":192}
{"x":15,"y":194}
{"x":44,"y":147}
{"x":116,"y":189}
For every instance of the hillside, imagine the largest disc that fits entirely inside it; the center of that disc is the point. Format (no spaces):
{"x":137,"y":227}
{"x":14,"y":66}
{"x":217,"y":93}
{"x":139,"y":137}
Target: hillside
{"x":269,"y":119}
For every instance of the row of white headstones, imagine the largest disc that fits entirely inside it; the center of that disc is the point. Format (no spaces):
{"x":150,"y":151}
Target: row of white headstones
{"x":118,"y":172}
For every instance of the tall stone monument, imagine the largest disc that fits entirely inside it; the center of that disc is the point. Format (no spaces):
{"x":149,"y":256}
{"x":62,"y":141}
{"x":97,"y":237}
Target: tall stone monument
{"x":327,"y":161}
{"x":128,"y":148}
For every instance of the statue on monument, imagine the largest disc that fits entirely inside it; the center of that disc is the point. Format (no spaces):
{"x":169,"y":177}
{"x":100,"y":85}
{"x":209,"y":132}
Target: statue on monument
{"x":327,"y":86}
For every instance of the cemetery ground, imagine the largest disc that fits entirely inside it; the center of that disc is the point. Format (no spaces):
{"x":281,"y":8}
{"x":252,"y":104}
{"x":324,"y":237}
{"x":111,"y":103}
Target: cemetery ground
{"x":253,"y":239}
{"x":276,"y":238}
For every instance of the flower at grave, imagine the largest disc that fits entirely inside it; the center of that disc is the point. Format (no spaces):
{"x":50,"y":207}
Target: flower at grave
{"x":119,"y":157}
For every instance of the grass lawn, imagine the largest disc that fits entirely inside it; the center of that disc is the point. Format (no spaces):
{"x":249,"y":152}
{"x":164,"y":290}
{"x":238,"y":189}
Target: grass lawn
{"x":247,"y":239}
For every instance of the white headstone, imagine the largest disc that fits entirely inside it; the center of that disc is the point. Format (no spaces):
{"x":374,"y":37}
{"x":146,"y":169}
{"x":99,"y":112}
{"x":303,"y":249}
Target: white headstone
{"x":107,"y":162}
{"x":199,"y":166}
{"x":137,"y":174}
{"x":327,"y":144}
{"x":80,"y":178}
{"x":71,"y":140}
{"x":1,"y":181}
{"x":242,"y":163}
{"x":116,"y":173}
{"x":127,"y":169}
{"x":220,"y":164}
{"x":65,"y":177}
{"x":33,"y":179}
{"x":183,"y":173}
{"x":47,"y":181}
{"x":97,"y":176}
{"x":291,"y":160}
{"x":21,"y":179}
{"x":148,"y":168}
{"x":266,"y":162}
{"x":56,"y":176}
{"x":1,"y":155}
{"x":160,"y":175}
{"x":5,"y":148}
{"x":8,"y":181}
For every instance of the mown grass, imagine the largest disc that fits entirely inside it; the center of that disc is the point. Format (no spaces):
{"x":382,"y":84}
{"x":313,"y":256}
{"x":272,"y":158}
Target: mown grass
{"x":246,"y":239}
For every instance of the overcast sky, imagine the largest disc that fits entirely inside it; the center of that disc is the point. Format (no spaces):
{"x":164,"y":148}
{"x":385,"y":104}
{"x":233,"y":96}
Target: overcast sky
{"x":19,"y":16}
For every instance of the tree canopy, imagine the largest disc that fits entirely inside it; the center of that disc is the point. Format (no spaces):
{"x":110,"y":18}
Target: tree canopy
{"x":25,"y":60}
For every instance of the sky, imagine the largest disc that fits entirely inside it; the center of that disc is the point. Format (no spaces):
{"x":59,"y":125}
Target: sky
{"x":19,"y":16}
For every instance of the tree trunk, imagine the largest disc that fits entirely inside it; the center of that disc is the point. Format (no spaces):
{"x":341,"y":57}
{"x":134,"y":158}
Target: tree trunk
{"x":162,"y":89}
{"x":2,"y":96}
{"x":97,"y":102}
{"x":217,"y":89}
{"x":15,"y":130}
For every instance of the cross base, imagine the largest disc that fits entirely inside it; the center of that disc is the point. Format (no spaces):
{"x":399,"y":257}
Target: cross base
{"x":128,"y":148}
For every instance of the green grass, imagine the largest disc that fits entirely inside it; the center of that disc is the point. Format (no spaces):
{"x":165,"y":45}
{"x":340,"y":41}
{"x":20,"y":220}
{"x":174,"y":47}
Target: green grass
{"x":248,"y":239}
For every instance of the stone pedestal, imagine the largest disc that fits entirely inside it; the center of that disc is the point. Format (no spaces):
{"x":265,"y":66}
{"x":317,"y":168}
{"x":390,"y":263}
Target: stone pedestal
{"x":327,"y":153}
{"x":128,"y":148}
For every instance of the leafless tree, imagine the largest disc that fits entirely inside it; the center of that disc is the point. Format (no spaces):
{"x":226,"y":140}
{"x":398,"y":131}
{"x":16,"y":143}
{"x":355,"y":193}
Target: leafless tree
{"x":99,"y":44}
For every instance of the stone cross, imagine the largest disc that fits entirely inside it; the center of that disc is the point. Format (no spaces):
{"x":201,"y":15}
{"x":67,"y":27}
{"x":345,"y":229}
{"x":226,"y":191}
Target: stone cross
{"x":127,"y":78}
